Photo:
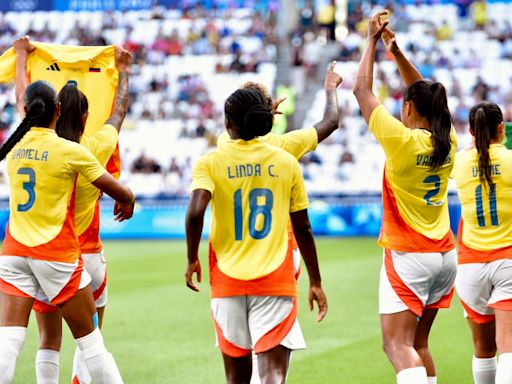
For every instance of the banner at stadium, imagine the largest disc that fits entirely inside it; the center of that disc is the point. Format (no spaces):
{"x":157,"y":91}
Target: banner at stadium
{"x":102,"y":5}
{"x":25,"y":5}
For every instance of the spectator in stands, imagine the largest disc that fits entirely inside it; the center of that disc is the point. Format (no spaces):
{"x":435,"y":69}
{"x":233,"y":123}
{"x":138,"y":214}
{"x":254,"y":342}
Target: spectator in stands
{"x":145,"y":164}
{"x":479,"y":11}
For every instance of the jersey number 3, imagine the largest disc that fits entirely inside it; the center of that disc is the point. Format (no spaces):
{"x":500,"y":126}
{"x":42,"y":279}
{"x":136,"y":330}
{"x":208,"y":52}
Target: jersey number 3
{"x":28,"y":186}
{"x":255,"y":210}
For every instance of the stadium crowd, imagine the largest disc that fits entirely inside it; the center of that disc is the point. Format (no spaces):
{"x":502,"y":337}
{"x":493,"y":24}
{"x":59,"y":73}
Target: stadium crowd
{"x":186,"y":62}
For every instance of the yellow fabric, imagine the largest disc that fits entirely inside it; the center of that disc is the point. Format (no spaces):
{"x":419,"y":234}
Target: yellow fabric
{"x":73,"y":64}
{"x":297,"y":143}
{"x":491,"y":235}
{"x":276,"y":182}
{"x":102,"y":145}
{"x":54,"y":163}
{"x":407,"y":168}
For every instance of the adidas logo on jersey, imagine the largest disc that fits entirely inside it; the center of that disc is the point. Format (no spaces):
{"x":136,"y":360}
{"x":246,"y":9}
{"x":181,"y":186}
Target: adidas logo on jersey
{"x":53,"y":67}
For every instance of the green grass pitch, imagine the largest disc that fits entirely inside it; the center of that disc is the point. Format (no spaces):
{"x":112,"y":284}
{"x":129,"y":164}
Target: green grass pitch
{"x":161,"y":332}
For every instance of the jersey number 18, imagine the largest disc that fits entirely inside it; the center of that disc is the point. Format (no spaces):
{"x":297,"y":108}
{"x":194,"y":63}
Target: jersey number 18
{"x":255,"y":210}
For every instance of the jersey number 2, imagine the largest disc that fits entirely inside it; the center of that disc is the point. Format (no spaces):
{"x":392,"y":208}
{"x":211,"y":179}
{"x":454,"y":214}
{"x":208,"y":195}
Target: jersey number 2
{"x":255,"y":210}
{"x":436,"y":180}
{"x":28,"y":186}
{"x":492,"y":206}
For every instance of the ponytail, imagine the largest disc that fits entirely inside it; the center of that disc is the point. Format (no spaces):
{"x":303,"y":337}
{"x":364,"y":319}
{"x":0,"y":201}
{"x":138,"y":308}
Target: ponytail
{"x":249,"y":112}
{"x":74,"y":105}
{"x":431,"y":102}
{"x":484,"y":119}
{"x":440,"y":126}
{"x":41,"y":103}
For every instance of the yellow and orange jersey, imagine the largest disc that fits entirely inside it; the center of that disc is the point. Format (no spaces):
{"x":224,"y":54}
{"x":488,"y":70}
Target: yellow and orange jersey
{"x":92,"y":69}
{"x":415,"y":217}
{"x":102,"y":145}
{"x":297,"y":143}
{"x":42,"y":171}
{"x":254,"y":187}
{"x":486,"y":223}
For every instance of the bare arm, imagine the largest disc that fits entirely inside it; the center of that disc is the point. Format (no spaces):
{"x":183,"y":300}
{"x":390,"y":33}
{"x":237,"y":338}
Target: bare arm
{"x":194,"y":228}
{"x":363,"y":86}
{"x":408,"y":71}
{"x":123,"y":60}
{"x":330,"y":120}
{"x":306,"y":242}
{"x":22,"y":48}
{"x":120,"y":193}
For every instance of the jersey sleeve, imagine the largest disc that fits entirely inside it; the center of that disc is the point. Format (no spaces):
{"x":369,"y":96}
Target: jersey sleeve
{"x":201,"y":176}
{"x":299,"y":142}
{"x":390,"y":132}
{"x":299,"y":197}
{"x":82,"y":161}
{"x":102,"y":143}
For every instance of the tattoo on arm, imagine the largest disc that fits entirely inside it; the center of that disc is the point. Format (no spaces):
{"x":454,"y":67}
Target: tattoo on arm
{"x":330,"y":121}
{"x":121,"y":103}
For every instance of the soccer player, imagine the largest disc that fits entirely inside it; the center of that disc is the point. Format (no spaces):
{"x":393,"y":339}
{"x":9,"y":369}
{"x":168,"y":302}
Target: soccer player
{"x":420,"y":261}
{"x":41,"y":253}
{"x":254,"y":187}
{"x":71,"y":125}
{"x":484,"y":281}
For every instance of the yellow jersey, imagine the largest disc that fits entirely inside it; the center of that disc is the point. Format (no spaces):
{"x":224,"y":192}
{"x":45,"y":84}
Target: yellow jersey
{"x":42,"y":171}
{"x":254,"y":187}
{"x":414,"y":196}
{"x":486,"y":215}
{"x":297,"y":143}
{"x":92,"y":69}
{"x":102,"y":145}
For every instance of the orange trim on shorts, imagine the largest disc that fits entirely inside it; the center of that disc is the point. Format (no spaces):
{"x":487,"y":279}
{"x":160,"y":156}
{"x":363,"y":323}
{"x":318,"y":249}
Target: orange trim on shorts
{"x":90,"y":241}
{"x":281,"y":282}
{"x":396,"y":234}
{"x":11,"y":290}
{"x":410,"y":299}
{"x":469,"y":255}
{"x":445,"y":301}
{"x":97,"y":293}
{"x":273,"y":338}
{"x":475,"y":316}
{"x":71,"y":288}
{"x":227,"y":347}
{"x":42,"y":307}
{"x":63,"y":248}
{"x":502,"y":305}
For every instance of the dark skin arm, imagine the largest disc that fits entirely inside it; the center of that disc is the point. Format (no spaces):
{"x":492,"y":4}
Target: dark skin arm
{"x":363,"y":86}
{"x":330,"y":120}
{"x":125,"y":201}
{"x":22,"y":48}
{"x":194,"y":228}
{"x":408,"y":71}
{"x":123,"y":60}
{"x":305,"y":240}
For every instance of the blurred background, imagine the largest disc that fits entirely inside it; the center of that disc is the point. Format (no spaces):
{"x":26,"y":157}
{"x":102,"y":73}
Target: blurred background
{"x":190,"y":55}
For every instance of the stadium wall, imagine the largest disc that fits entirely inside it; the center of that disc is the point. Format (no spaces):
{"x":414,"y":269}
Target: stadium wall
{"x":164,"y":218}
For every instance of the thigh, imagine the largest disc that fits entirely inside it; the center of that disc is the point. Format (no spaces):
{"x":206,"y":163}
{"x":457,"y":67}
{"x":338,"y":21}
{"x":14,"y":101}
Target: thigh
{"x":80,"y":313}
{"x":231,"y":325}
{"x":14,"y":310}
{"x":399,"y":328}
{"x":474,"y":288}
{"x":504,"y":330}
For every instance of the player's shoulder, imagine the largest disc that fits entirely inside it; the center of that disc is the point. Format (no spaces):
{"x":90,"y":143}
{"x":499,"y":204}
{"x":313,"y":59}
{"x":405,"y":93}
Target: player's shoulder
{"x":278,"y":152}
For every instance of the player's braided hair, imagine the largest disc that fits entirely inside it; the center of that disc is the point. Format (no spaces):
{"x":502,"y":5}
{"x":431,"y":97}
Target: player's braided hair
{"x":74,"y":105}
{"x":431,"y":102}
{"x":41,"y":101}
{"x":484,"y":119}
{"x":249,"y":113}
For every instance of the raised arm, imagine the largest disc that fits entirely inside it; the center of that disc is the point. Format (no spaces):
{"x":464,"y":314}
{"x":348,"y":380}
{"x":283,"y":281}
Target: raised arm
{"x":330,"y":121}
{"x":194,"y":228}
{"x":22,"y":48}
{"x":305,"y":240}
{"x":123,"y":61}
{"x":408,"y":71}
{"x":363,"y":86}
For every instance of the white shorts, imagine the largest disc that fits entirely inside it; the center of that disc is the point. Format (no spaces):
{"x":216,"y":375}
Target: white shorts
{"x":415,"y":281}
{"x":96,"y":266}
{"x":48,"y":281}
{"x":483,"y":287}
{"x":259,"y":323}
